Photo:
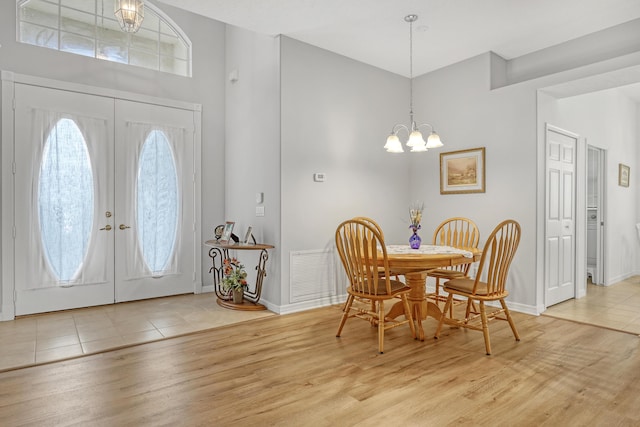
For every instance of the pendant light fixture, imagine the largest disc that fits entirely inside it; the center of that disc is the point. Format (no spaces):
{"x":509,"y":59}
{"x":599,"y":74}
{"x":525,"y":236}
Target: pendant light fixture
{"x":130,"y":14}
{"x":416,"y":142}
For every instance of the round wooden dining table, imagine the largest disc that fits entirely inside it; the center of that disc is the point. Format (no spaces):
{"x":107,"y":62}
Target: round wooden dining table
{"x":414,"y":264}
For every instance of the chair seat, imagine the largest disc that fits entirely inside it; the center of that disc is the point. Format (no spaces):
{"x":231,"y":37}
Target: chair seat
{"x":445,"y":273}
{"x":397,"y":287}
{"x":465,"y":285}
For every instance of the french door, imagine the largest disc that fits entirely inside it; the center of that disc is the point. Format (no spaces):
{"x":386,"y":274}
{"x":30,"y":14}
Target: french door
{"x":104,"y":200}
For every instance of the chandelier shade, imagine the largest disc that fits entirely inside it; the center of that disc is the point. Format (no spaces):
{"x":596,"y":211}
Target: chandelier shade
{"x":130,"y":14}
{"x":415,"y":139}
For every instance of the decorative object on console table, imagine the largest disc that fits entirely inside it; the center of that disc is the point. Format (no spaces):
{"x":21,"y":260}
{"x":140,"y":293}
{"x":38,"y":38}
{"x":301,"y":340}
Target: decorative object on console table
{"x":623,"y":175}
{"x":248,"y":236}
{"x":219,"y":252}
{"x":235,"y":279}
{"x":462,"y":171}
{"x":415,"y":215}
{"x":228,"y":229}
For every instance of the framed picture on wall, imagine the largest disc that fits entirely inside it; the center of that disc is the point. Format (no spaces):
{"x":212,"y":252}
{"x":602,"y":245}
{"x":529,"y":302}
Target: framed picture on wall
{"x":226,"y":233}
{"x":623,"y":175}
{"x":462,"y":171}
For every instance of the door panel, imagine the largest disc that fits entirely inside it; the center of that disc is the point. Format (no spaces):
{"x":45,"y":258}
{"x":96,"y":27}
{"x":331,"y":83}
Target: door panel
{"x":560,"y":216}
{"x":155,"y":247}
{"x":63,"y":189}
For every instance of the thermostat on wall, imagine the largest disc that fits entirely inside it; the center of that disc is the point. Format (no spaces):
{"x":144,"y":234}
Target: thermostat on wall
{"x":319,"y":177}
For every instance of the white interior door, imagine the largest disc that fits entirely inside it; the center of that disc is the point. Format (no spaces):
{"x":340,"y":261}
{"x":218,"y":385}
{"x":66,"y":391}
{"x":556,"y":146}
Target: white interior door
{"x":154,"y":203}
{"x":560,"y":244}
{"x":63,"y":154}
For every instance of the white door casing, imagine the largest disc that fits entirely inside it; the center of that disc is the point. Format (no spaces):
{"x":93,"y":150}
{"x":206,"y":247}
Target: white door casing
{"x":560,"y":211}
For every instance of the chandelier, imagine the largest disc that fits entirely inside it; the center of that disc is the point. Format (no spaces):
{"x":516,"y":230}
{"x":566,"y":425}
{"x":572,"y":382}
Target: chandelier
{"x":416,"y":142}
{"x":130,"y":14}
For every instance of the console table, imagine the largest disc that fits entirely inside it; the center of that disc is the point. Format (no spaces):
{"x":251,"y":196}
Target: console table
{"x":218,"y":253}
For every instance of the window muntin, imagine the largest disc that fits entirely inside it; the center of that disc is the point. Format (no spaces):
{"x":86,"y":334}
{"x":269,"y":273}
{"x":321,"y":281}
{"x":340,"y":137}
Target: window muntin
{"x":90,"y":28}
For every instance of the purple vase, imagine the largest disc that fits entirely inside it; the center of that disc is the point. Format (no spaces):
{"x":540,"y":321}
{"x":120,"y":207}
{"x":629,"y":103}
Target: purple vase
{"x":415,"y":240}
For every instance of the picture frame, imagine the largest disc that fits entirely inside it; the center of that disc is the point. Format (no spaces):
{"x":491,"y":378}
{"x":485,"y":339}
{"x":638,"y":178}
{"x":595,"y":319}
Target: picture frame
{"x":624,"y":172}
{"x":247,"y":236}
{"x":462,"y":171}
{"x":228,"y":230}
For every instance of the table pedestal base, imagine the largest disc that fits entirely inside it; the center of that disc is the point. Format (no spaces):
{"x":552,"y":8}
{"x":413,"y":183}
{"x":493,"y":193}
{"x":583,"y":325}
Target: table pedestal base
{"x":421,"y":307}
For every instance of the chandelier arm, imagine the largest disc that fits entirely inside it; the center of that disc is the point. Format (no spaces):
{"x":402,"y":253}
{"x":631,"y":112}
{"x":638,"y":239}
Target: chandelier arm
{"x":426,"y":124}
{"x":399,"y":127}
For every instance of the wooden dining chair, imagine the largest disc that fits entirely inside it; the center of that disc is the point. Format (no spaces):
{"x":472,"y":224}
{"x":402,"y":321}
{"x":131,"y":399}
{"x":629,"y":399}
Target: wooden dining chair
{"x":375,"y":225}
{"x":497,"y":254}
{"x":362,"y":250}
{"x":457,"y":232}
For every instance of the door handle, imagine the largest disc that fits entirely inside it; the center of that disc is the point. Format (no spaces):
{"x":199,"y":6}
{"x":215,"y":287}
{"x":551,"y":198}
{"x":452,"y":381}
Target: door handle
{"x":123,"y":227}
{"x":106,"y":227}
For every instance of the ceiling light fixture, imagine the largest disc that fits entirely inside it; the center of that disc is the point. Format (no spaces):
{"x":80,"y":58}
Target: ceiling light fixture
{"x":130,"y":14}
{"x":416,"y":142}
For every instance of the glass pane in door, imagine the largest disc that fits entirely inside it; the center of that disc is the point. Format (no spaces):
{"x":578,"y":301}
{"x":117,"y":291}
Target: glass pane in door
{"x":65,"y":200}
{"x":157,"y":201}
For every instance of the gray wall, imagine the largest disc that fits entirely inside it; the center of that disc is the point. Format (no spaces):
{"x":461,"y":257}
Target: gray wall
{"x":252,"y":159}
{"x":336,"y":115}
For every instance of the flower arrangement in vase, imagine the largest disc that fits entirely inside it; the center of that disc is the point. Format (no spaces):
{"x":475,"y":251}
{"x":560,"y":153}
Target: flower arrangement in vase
{"x":415,"y":216}
{"x":235,"y":278}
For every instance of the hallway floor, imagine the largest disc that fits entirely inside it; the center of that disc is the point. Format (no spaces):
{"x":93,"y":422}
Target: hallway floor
{"x":66,"y":334}
{"x":615,"y":307}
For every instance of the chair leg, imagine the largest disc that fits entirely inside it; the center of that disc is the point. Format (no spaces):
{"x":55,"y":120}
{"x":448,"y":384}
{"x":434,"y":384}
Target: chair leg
{"x":407,"y":314}
{"x":485,"y":328}
{"x":442,"y":316}
{"x":345,"y":315}
{"x":510,"y":319}
{"x":381,"y":326}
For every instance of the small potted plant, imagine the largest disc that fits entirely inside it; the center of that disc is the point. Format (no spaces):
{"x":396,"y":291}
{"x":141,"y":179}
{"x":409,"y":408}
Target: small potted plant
{"x":235,"y":279}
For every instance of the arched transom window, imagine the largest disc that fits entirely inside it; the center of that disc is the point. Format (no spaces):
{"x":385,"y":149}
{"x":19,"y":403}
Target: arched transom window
{"x":90,"y":28}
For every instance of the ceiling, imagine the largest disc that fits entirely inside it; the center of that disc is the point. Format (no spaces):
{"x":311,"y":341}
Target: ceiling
{"x":446,"y":32}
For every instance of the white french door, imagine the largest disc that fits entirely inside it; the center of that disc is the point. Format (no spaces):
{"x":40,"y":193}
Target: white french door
{"x":155,"y":216}
{"x":104,"y":200}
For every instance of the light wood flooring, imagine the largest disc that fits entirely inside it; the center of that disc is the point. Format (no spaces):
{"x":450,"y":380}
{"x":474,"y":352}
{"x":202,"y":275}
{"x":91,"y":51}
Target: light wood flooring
{"x":616,"y":307}
{"x":291,"y":370}
{"x":55,"y":336}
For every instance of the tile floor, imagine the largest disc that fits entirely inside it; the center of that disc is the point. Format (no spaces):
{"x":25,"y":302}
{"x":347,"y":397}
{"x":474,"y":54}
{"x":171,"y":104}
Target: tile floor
{"x":614,"y":307}
{"x":55,"y":336}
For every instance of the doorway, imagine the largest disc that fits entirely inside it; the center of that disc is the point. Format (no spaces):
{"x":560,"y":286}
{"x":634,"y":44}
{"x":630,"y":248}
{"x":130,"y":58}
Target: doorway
{"x":596,"y":184}
{"x":104,"y":199}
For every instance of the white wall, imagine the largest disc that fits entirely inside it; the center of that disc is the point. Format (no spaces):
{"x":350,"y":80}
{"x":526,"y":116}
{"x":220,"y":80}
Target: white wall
{"x":458,"y":101}
{"x":252,"y":148}
{"x":509,"y":122}
{"x":336,"y":115}
{"x":609,"y":120}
